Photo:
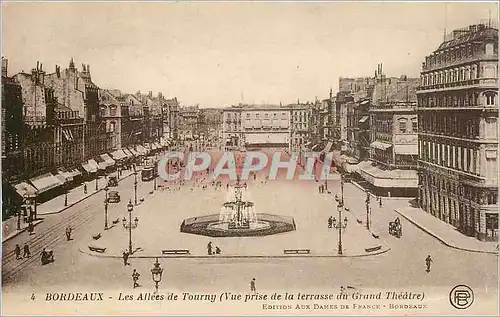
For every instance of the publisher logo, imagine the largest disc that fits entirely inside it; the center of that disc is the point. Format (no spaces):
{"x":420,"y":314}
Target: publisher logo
{"x":461,"y":297}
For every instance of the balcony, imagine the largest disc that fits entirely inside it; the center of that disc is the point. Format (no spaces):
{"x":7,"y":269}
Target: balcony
{"x":469,"y":59}
{"x":491,"y":83}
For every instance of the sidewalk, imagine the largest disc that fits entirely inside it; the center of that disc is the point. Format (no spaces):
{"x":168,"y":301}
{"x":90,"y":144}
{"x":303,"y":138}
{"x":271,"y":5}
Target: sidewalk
{"x":56,"y":205}
{"x":445,"y":232}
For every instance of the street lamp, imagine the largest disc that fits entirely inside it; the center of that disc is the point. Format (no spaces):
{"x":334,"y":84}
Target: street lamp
{"x":367,"y":201}
{"x":154,"y":181}
{"x":25,"y":197}
{"x":339,"y":225}
{"x":130,"y":225}
{"x":342,"y":188}
{"x":106,"y":208}
{"x":96,"y":185}
{"x":156,"y":273}
{"x":135,"y":186}
{"x":66,"y":189}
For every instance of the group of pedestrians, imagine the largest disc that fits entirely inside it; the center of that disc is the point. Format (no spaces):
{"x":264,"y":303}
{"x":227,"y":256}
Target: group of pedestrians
{"x":211,"y":251}
{"x":26,"y":251}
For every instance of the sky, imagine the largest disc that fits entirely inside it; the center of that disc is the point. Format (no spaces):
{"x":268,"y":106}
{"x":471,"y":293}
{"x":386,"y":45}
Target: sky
{"x":219,"y":54}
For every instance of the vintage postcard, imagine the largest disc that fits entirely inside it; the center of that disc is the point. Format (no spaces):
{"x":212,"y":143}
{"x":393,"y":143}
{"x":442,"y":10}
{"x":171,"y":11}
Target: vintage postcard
{"x":250,"y":158}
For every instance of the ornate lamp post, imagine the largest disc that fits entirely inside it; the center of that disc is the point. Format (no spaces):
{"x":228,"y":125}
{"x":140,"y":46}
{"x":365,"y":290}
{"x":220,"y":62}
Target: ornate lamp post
{"x":339,"y":225}
{"x":156,"y":273}
{"x":135,"y":186}
{"x":106,"y":208}
{"x":130,"y":225}
{"x":96,"y":184}
{"x":342,"y":188}
{"x":154,"y":181}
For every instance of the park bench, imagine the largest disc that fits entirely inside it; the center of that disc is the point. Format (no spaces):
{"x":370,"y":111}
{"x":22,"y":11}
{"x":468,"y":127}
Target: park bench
{"x":297,"y":251}
{"x":375,"y":235}
{"x":177,"y":251}
{"x":97,"y":249}
{"x":359,"y":221}
{"x":116,"y":221}
{"x":373,"y":249}
{"x":97,"y":236}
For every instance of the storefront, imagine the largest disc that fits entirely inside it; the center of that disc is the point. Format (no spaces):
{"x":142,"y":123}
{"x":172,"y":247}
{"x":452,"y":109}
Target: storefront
{"x":389,"y":183}
{"x":47,"y":186}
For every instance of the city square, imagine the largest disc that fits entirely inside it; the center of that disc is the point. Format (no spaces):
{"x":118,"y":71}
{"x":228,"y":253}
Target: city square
{"x":282,"y":158}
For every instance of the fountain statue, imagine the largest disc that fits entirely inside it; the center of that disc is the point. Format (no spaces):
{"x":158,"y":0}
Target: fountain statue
{"x":237,"y":218}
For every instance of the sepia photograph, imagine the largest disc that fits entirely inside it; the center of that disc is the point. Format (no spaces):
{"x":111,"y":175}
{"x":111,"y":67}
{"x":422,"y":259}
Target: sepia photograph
{"x":238,"y":158}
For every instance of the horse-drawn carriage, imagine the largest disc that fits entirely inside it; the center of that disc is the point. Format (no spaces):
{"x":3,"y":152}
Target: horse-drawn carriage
{"x":395,"y":228}
{"x":47,"y":256}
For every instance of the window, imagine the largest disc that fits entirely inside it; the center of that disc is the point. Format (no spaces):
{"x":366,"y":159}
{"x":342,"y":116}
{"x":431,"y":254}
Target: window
{"x":490,"y":99}
{"x":489,"y":49}
{"x":414,"y":125}
{"x":402,"y":125}
{"x":489,"y":71}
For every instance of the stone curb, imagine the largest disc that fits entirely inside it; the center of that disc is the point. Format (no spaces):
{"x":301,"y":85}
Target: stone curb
{"x":429,"y":232}
{"x":100,"y":255}
{"x":79,"y":200}
{"x":15,"y":233}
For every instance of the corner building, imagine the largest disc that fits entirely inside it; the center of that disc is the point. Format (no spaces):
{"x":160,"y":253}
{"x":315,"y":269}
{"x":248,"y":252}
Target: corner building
{"x":458,"y":132}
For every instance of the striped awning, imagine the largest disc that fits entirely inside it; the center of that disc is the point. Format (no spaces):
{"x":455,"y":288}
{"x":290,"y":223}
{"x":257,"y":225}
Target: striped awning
{"x":107,"y":159}
{"x":89,"y":168}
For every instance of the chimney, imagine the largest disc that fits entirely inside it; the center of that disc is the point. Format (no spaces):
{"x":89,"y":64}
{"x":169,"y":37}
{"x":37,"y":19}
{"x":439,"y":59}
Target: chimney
{"x":150,"y":95}
{"x":5,"y":64}
{"x":58,"y":71}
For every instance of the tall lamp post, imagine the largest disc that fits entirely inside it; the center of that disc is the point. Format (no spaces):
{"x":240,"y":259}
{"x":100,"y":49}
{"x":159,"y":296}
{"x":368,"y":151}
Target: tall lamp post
{"x":135,"y":186}
{"x":66,"y":189}
{"x":342,"y":188}
{"x":339,"y":225}
{"x":106,"y":208}
{"x":154,"y":180}
{"x":156,"y":273}
{"x":96,"y":185}
{"x":367,"y":201}
{"x":130,"y":225}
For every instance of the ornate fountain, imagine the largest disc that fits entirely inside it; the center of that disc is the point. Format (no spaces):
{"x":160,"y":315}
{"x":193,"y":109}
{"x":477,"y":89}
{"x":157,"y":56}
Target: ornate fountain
{"x":237,"y":218}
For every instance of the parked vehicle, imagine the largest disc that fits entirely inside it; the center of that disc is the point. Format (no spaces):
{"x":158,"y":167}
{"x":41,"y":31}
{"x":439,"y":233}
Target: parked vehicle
{"x":114,"y":197}
{"x":112,"y":181}
{"x":149,"y":173}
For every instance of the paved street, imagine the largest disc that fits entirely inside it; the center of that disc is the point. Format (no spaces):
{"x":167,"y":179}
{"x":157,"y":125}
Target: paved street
{"x":401,"y":268}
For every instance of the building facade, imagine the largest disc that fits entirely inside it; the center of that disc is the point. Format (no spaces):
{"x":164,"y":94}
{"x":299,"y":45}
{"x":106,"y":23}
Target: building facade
{"x":458,"y":131}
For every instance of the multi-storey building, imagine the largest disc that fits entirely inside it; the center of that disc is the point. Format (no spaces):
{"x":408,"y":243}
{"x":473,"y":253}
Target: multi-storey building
{"x":12,"y":140}
{"x":171,"y":118}
{"x":393,"y":134}
{"x":301,"y":126}
{"x":211,"y":123}
{"x":232,"y":132}
{"x":458,"y":131}
{"x":268,"y":125}
{"x":188,"y":122}
{"x":111,"y":114}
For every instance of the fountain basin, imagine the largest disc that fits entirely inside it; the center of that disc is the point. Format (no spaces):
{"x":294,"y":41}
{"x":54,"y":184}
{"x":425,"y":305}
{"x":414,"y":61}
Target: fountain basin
{"x":265,"y":224}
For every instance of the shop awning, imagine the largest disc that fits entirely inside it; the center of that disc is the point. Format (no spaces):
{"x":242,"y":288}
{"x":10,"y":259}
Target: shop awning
{"x":118,"y":155}
{"x":101,"y":163}
{"x":95,"y":165}
{"x":45,"y":182}
{"x":141,"y":150}
{"x":363,"y":120}
{"x":127,"y":152}
{"x":408,"y":149}
{"x":89,"y":168}
{"x":109,"y":161}
{"x":158,"y":145}
{"x":133,"y":151}
{"x":25,"y":190}
{"x":75,"y":173}
{"x":153,"y":146}
{"x":380,"y":145}
{"x":64,"y":176}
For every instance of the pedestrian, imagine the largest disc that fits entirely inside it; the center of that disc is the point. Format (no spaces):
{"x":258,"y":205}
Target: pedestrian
{"x":209,"y":248}
{"x":330,"y":222}
{"x":68,"y":233}
{"x":135,"y":278}
{"x":26,"y":249}
{"x":252,"y":285}
{"x":17,"y":251}
{"x":217,"y":250}
{"x":31,"y":228}
{"x":380,"y":202}
{"x":254,"y":176}
{"x":428,"y":262}
{"x":125,"y":258}
{"x":85,"y":188}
